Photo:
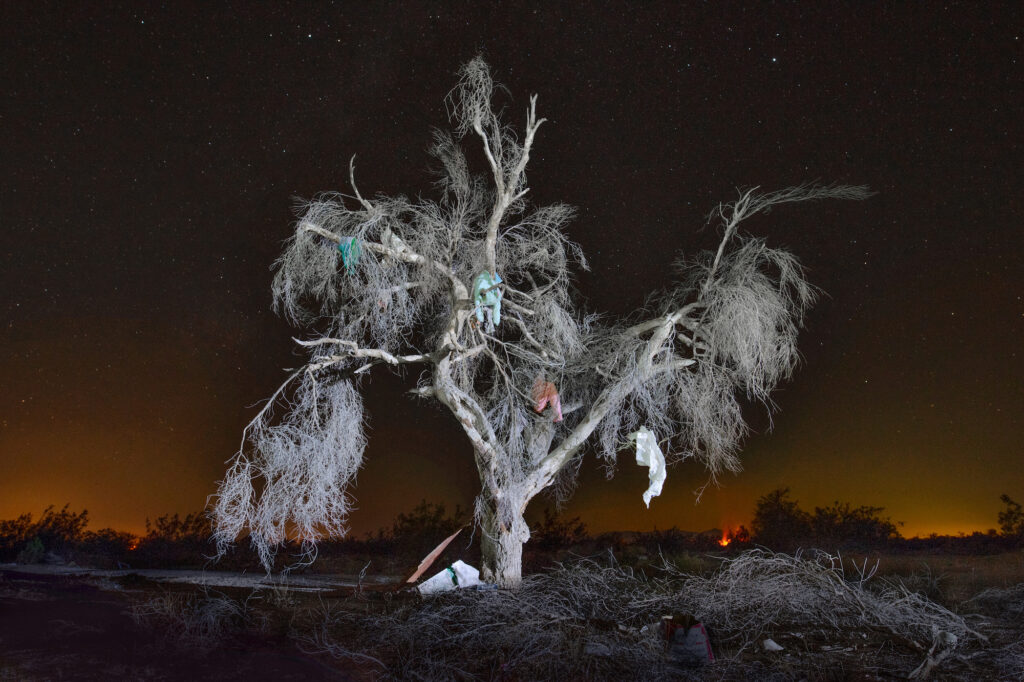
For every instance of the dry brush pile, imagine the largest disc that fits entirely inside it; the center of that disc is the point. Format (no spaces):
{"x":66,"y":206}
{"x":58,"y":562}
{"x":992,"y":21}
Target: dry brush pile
{"x":591,"y":620}
{"x":597,"y":620}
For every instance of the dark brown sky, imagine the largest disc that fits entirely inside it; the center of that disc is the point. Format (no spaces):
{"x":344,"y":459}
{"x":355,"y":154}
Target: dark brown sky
{"x":150,"y":156}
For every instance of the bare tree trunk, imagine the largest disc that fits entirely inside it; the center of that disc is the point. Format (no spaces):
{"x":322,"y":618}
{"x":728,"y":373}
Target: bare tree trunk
{"x":503,"y":533}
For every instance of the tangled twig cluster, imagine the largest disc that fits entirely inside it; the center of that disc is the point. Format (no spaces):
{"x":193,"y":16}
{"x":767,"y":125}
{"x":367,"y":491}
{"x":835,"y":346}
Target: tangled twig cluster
{"x":591,"y":620}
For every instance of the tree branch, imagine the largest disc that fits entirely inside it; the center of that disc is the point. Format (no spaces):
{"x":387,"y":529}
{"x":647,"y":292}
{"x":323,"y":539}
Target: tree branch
{"x":750,"y":203}
{"x":352,"y":180}
{"x":507,"y":188}
{"x":356,"y":352}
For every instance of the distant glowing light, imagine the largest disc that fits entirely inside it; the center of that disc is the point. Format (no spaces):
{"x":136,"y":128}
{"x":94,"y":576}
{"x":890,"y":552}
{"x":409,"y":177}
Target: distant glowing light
{"x":726,"y":538}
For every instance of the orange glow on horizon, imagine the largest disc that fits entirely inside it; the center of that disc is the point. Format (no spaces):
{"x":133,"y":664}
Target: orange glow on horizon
{"x":726,"y":538}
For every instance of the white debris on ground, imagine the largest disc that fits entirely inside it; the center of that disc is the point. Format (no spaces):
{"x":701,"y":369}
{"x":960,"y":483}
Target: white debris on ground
{"x":459,"y":575}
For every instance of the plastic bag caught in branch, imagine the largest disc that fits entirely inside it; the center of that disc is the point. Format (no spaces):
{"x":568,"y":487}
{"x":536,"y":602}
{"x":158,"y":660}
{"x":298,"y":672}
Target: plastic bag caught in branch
{"x":544,"y":392}
{"x":487,"y":298}
{"x":350,"y":252}
{"x":648,"y":454}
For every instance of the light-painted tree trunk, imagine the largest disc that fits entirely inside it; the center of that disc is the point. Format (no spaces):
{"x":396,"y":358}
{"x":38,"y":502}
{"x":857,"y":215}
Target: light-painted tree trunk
{"x":503,"y":533}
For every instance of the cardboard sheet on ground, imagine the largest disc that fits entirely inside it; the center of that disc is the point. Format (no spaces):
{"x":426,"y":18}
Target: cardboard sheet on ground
{"x":648,"y":454}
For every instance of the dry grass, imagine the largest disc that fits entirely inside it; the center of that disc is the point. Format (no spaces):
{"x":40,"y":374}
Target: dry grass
{"x":954,"y":579}
{"x":597,"y":620}
{"x":591,"y":620}
{"x":197,"y":620}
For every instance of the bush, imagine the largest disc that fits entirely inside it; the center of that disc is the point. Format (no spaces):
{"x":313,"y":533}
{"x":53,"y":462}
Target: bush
{"x":779,"y":522}
{"x":106,"y":548}
{"x":843,"y":525}
{"x":14,"y":533}
{"x":56,"y":531}
{"x":555,"y":532}
{"x":1011,"y":520}
{"x":174,"y":541}
{"x":596,"y":621}
{"x":416,"y":533}
{"x":32,"y":552}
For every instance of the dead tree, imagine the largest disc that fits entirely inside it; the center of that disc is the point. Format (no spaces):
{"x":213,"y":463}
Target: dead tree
{"x":473,"y":290}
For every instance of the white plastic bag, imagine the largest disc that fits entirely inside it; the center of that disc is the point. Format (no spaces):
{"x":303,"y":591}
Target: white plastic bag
{"x":648,"y":454}
{"x":456,"y":576}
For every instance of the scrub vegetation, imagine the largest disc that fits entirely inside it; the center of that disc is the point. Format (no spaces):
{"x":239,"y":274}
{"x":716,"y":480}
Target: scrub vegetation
{"x":589,"y":607}
{"x":596,"y":619}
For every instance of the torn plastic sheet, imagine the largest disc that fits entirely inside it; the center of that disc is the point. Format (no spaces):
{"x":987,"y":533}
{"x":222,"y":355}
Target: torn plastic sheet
{"x":544,"y":392}
{"x":487,"y":298}
{"x":457,"y":576}
{"x":350,"y":252}
{"x":648,"y":454}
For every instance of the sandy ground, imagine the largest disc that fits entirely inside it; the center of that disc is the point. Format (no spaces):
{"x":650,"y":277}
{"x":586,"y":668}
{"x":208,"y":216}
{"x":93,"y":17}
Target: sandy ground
{"x":303,"y":583}
{"x":68,"y":623}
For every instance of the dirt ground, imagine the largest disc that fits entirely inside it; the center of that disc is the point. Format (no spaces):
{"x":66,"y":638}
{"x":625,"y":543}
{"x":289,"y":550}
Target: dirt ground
{"x":65,"y":623}
{"x":70,"y":627}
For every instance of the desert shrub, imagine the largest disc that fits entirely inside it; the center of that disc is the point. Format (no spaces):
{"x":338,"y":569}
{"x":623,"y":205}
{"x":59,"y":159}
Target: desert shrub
{"x":842,"y":525}
{"x":554,"y":532}
{"x":781,"y":524}
{"x":60,"y":530}
{"x":739,"y":538}
{"x":57,"y":531}
{"x":415,"y":533}
{"x":670,"y":540}
{"x":108,"y":541}
{"x":393,"y":550}
{"x":174,"y":541}
{"x":14,"y":533}
{"x":32,"y":552}
{"x":1011,"y":519}
{"x":598,"y":620}
{"x":926,"y":582}
{"x":1001,"y":602}
{"x":428,"y":518}
{"x":195,"y":620}
{"x":975,"y":544}
{"x":105,"y":548}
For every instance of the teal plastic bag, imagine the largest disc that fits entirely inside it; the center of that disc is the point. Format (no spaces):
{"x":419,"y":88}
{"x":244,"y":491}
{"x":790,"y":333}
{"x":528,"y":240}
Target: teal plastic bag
{"x":487,"y":298}
{"x":350,"y":252}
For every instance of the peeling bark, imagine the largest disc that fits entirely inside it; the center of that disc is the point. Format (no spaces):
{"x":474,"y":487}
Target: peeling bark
{"x":503,"y":533}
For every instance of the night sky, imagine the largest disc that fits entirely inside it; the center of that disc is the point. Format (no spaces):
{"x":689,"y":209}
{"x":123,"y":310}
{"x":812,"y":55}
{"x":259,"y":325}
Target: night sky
{"x":151,"y":157}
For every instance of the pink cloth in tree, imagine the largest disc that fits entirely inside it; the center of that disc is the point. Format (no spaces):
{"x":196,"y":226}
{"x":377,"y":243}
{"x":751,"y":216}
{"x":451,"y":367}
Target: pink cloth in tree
{"x":544,"y":392}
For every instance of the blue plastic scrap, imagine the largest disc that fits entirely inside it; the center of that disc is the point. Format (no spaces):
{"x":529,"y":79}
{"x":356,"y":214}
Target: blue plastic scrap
{"x":487,"y":298}
{"x":350,"y":252}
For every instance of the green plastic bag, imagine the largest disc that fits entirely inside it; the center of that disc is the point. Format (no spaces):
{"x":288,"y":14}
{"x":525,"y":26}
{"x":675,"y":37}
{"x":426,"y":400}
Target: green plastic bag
{"x":350,"y":252}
